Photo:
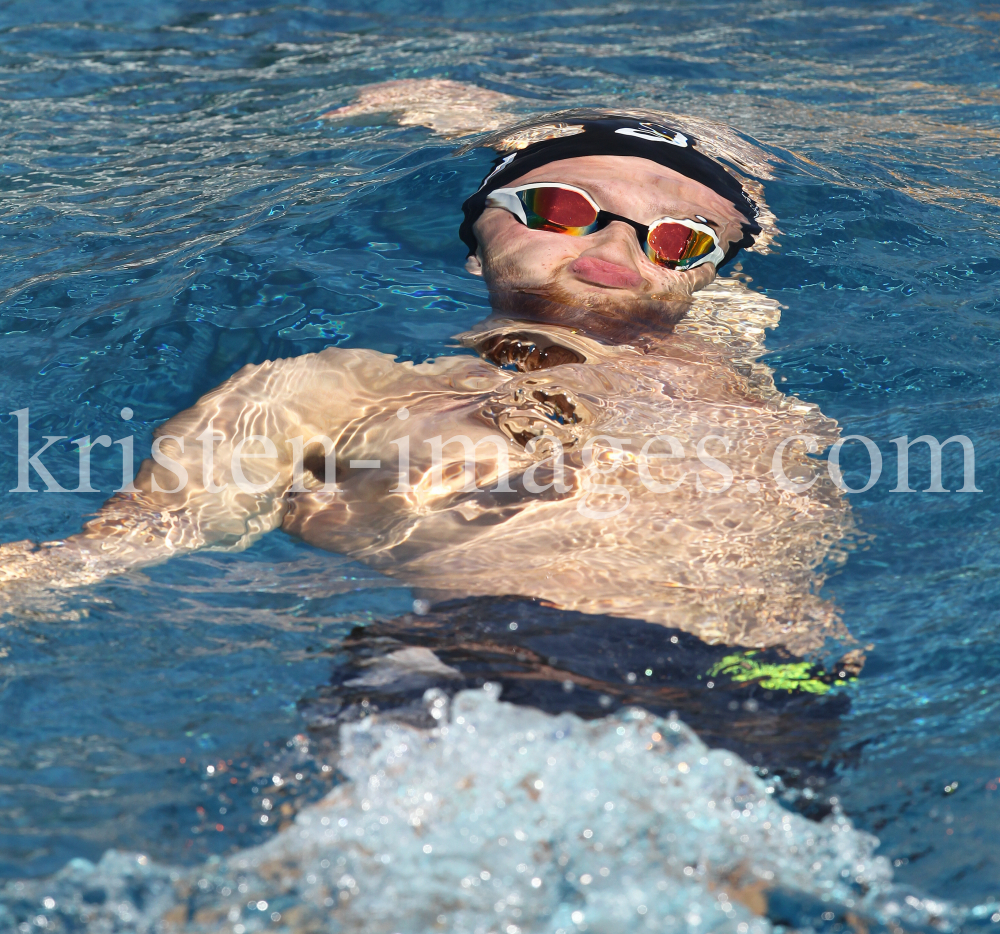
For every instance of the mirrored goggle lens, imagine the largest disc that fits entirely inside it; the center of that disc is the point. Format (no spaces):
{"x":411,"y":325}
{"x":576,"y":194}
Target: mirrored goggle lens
{"x":676,"y":245}
{"x":558,"y":209}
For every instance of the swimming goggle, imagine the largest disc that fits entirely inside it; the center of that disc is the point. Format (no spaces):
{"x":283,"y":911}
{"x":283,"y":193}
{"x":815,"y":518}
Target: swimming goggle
{"x":676,"y":244}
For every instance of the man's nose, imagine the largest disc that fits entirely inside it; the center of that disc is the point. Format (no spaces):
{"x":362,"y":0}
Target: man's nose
{"x":608,"y":259}
{"x":618,"y":237}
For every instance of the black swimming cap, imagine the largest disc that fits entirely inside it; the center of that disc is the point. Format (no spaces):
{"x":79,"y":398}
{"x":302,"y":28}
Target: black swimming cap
{"x":617,"y":136}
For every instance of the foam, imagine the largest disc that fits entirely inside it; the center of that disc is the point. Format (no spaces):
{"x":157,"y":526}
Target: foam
{"x":506,"y":819}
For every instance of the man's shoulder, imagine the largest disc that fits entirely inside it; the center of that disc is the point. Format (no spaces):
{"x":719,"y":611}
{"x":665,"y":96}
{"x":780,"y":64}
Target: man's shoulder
{"x":331,"y":359}
{"x":373,"y":362}
{"x":363,"y":366}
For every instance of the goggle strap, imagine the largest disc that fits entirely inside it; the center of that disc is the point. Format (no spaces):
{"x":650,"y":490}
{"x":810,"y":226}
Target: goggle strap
{"x":507,"y":199}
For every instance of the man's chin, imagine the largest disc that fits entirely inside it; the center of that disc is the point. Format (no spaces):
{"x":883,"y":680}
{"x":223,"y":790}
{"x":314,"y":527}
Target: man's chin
{"x":614,"y":315}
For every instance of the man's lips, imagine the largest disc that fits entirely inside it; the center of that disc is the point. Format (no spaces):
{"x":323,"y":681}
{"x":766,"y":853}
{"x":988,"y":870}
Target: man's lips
{"x":601,"y":272}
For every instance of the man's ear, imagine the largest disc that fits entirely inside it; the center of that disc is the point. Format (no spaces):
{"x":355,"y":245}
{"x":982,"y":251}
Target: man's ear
{"x":472,"y":265}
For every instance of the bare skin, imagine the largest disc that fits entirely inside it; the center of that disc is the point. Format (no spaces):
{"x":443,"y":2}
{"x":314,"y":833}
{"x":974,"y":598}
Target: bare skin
{"x":608,"y":263}
{"x":604,"y":278}
{"x":449,"y":108}
{"x":734,"y":565}
{"x":622,"y":527}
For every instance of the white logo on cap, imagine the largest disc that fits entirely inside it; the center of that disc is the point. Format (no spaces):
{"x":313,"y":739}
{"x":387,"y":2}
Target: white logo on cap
{"x":648,"y":131}
{"x":503,"y":164}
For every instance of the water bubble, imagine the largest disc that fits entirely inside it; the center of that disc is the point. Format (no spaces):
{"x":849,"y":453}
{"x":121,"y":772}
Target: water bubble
{"x":492,"y":690}
{"x":436,"y":702}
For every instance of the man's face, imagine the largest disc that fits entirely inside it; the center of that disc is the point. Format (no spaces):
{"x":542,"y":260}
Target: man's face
{"x":608,"y":268}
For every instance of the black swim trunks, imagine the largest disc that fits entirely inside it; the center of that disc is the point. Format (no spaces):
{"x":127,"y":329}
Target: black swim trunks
{"x":769,"y":706}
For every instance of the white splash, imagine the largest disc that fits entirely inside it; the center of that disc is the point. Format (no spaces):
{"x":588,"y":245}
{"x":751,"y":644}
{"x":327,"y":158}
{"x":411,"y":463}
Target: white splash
{"x":505,"y":819}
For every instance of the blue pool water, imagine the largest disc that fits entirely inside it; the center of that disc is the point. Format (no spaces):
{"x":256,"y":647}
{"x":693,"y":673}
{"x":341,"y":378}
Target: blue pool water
{"x":172,"y":209}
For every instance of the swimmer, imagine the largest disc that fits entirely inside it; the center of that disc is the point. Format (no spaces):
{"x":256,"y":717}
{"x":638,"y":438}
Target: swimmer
{"x":622,"y":432}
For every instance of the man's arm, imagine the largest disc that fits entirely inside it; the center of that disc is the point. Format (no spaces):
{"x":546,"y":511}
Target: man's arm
{"x":218,"y":478}
{"x":449,"y":108}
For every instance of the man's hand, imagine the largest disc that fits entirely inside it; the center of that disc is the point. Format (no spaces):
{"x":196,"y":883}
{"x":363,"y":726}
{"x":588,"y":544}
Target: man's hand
{"x":449,"y":108}
{"x":26,"y":561}
{"x":33,"y":577}
{"x":16,"y":559}
{"x":51,"y":564}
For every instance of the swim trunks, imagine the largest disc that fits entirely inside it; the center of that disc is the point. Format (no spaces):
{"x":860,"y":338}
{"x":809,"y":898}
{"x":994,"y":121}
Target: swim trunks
{"x":769,"y":706}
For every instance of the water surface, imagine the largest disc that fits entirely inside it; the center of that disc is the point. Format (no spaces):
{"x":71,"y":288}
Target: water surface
{"x":173,"y":209}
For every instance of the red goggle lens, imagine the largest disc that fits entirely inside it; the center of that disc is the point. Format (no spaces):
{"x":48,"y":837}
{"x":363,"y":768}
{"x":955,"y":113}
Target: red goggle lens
{"x":677,"y":245}
{"x":558,"y":207}
{"x":570,"y":212}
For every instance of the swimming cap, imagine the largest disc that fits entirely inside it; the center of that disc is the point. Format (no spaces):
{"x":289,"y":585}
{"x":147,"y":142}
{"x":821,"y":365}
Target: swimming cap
{"x":617,"y":136}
